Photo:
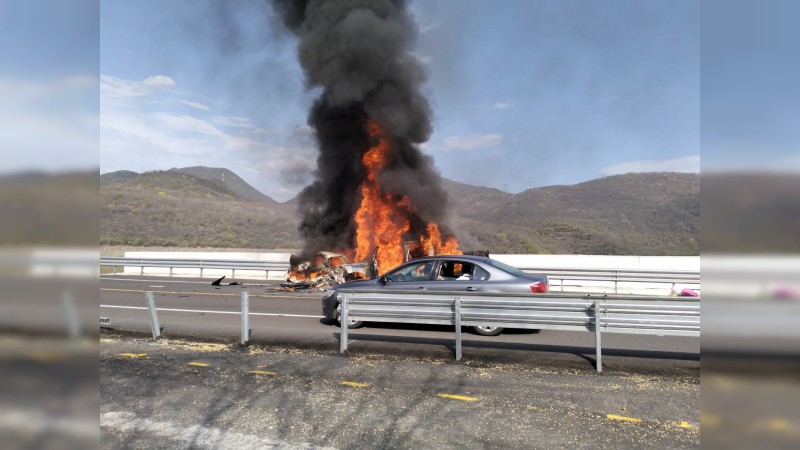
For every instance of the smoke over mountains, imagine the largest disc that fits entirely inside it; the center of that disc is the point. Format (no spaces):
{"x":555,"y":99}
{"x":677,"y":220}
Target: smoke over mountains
{"x":358,"y":52}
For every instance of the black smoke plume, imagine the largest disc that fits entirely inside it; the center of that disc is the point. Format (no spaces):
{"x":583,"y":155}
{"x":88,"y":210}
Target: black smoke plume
{"x":358,"y":52}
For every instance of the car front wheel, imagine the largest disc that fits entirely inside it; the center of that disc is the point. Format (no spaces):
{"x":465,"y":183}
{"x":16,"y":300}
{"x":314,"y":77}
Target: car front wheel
{"x":488,"y":331}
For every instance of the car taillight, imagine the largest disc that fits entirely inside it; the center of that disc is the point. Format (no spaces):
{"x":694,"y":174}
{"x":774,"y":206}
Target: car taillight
{"x":539,"y":288}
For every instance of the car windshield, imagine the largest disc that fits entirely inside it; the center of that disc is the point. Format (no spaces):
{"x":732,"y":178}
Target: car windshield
{"x":506,"y":267}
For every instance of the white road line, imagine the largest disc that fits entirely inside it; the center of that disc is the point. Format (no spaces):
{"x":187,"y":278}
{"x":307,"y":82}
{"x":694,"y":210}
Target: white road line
{"x":155,"y":286}
{"x":211,"y":312}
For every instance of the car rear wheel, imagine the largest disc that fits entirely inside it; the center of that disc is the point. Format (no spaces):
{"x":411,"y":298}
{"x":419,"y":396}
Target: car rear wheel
{"x":488,"y":331}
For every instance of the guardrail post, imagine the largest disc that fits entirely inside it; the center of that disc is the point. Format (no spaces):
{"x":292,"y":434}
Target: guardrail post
{"x":597,"y":341}
{"x":343,"y":323}
{"x":616,"y":282}
{"x":201,"y":272}
{"x":458,"y":327}
{"x":245,"y":317}
{"x":73,"y":322}
{"x":151,"y":309}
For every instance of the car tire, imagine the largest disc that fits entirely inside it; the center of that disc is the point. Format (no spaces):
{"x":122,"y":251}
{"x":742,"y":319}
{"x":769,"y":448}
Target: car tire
{"x":487,"y":331}
{"x":352,"y":324}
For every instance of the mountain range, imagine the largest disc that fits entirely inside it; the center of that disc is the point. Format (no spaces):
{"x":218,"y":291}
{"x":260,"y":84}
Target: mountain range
{"x":642,"y":214}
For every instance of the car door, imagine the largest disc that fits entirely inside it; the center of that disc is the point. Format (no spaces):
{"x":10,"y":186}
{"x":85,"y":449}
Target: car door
{"x":450,"y":277}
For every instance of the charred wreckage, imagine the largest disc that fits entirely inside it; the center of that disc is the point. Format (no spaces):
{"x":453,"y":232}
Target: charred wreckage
{"x":326,"y":269}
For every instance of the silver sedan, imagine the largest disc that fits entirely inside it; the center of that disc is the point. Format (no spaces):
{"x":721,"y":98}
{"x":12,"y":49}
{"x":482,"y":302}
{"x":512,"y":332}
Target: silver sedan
{"x":445,"y":273}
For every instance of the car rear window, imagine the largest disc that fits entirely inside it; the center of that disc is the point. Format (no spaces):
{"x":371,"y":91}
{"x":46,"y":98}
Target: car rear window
{"x":506,"y":267}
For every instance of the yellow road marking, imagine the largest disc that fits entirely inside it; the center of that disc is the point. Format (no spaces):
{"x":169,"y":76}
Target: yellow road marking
{"x":260,"y":372}
{"x":219,"y":294}
{"x":133,"y":355}
{"x":626,"y":419}
{"x":198,"y":364}
{"x":686,"y":425}
{"x":457,"y":397}
{"x":353,"y":383}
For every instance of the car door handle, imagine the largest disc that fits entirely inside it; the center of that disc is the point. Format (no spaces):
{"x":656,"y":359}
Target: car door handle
{"x":471,"y":289}
{"x":420,"y":288}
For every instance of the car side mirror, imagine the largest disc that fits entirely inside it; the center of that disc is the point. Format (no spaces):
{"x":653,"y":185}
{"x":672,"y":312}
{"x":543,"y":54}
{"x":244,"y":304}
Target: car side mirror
{"x":383,"y":280}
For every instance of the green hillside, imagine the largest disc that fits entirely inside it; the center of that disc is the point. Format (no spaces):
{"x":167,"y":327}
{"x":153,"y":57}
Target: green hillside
{"x":170,"y":208}
{"x":644,"y":214}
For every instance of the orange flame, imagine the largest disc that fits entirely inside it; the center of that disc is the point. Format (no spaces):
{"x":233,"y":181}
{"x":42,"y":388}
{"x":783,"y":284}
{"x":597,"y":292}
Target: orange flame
{"x":382,"y":219}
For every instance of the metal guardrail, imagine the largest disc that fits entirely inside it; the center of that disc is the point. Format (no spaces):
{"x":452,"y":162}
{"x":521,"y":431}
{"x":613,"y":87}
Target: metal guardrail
{"x":616,"y":276}
{"x":156,"y":328}
{"x":230,"y":264}
{"x":597,"y":314}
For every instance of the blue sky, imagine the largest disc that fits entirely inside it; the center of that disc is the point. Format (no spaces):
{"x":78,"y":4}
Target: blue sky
{"x":525,"y":94}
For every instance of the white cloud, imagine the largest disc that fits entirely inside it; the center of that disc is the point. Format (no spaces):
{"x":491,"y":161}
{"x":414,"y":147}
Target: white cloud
{"x":196,"y":105}
{"x":158,"y":81}
{"x":187,"y":123}
{"x":426,"y":28}
{"x":114,"y":87}
{"x":226,"y":121}
{"x":690,"y":164}
{"x":497,"y":106}
{"x":143,"y":127}
{"x":425,"y":59}
{"x":470,"y":142}
{"x":129,"y":129}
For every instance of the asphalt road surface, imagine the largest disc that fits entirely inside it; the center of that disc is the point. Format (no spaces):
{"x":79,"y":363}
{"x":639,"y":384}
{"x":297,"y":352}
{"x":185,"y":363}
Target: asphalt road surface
{"x":193,"y":308}
{"x":398,"y":386}
{"x":184,"y":394}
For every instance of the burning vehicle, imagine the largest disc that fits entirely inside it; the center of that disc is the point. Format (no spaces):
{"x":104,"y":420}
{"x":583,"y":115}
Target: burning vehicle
{"x":374,"y":189}
{"x":326,"y":269}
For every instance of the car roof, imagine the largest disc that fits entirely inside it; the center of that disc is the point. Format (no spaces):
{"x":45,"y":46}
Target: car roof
{"x":461,"y":257}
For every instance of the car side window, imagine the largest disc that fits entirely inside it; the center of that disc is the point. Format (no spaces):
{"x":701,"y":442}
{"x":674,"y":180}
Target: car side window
{"x":446,"y":271}
{"x":412,"y":272}
{"x":460,"y":271}
{"x":480,"y":274}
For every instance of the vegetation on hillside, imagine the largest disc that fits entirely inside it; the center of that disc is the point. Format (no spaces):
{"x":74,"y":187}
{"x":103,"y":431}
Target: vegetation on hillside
{"x":178,"y":209}
{"x":645,"y":214}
